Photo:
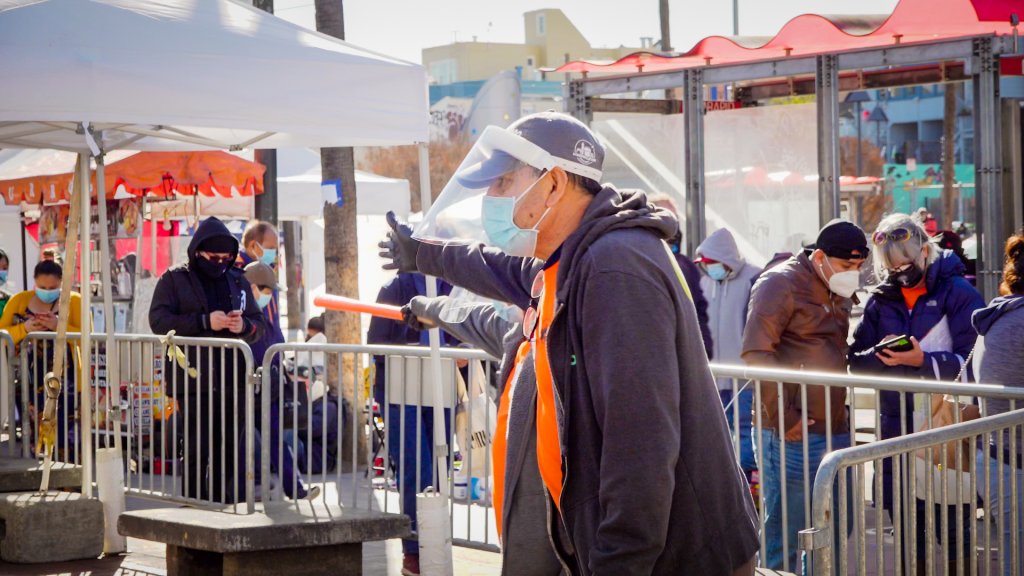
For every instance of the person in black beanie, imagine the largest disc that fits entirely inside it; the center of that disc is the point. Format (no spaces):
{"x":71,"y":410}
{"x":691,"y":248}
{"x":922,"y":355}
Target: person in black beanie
{"x":207,"y":297}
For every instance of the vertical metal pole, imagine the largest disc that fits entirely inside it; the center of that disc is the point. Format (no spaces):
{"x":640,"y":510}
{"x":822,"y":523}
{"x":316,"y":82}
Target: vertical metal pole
{"x":693,"y":122}
{"x":1013,"y":178}
{"x":86,"y":341}
{"x":988,"y":165}
{"x":860,"y":156}
{"x":440,"y":441}
{"x":826,"y":88}
{"x":577,"y":103}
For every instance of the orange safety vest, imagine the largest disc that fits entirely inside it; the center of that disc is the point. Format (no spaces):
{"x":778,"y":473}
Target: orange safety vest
{"x":499,"y":447}
{"x":549,"y":451}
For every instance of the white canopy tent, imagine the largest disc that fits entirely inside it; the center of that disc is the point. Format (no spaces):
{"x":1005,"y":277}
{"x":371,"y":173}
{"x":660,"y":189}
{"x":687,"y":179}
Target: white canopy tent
{"x":102,"y":75}
{"x":192,"y":75}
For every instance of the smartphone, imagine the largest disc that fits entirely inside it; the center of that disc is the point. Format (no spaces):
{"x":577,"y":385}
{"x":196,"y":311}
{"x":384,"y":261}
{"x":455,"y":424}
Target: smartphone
{"x":897,"y":344}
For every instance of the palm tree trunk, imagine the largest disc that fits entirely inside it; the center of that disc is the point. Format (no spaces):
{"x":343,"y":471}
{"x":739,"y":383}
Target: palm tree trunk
{"x":341,"y":254}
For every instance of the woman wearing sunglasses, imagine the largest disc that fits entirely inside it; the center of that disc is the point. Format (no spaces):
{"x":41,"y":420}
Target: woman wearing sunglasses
{"x":923,"y":294}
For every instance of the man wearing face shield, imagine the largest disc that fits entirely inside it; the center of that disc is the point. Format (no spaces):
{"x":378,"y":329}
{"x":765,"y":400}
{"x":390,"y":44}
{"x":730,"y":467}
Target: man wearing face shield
{"x":632,"y":445}
{"x":799,"y":318}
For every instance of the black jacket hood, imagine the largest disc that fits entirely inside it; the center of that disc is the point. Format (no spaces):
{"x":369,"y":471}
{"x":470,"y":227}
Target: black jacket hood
{"x":613,"y":210}
{"x":212,"y":227}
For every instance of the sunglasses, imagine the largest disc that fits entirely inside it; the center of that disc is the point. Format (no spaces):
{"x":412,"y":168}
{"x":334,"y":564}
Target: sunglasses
{"x":897,"y":235}
{"x":216,"y":258}
{"x":900,"y":269}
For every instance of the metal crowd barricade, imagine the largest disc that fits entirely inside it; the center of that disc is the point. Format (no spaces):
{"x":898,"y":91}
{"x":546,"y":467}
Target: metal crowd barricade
{"x":167,"y":419}
{"x":10,"y":413}
{"x":828,"y":556}
{"x":311,"y":436}
{"x":178,"y":441}
{"x":863,"y":395}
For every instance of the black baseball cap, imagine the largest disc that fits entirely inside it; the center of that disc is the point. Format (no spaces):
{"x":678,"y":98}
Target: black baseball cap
{"x":842,"y":239}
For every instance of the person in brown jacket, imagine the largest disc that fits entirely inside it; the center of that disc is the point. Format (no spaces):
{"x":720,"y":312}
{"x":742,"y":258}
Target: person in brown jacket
{"x":799,"y":318}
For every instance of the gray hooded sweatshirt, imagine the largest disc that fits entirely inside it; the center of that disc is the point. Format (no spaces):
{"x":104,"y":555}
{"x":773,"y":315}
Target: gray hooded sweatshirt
{"x":997,"y":353}
{"x":727,"y":299}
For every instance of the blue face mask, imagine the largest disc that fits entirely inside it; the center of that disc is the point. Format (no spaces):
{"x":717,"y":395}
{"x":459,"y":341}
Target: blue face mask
{"x":3,"y":276}
{"x":263,"y":300}
{"x":497,"y":215}
{"x":269,"y":256}
{"x":716,"y":271}
{"x":48,"y":296}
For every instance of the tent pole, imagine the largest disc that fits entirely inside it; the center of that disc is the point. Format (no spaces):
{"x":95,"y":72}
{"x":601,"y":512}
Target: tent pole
{"x":109,"y":462}
{"x":85,"y":406}
{"x":138,"y":254}
{"x":152,"y":244}
{"x":24,"y":253}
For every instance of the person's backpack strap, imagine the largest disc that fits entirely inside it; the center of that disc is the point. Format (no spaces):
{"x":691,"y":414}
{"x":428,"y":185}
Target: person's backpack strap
{"x":679,"y":271}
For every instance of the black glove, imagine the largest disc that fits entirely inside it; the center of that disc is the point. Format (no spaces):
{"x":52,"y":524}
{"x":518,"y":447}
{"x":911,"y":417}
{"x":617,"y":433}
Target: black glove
{"x":400,"y":248}
{"x":411,"y":320}
{"x":417,"y":312}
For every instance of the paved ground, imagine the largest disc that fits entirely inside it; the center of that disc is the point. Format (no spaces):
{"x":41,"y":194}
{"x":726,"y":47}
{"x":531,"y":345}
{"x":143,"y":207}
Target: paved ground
{"x":147,"y":559}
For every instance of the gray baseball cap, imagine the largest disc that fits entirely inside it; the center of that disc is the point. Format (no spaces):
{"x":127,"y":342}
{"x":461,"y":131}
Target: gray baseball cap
{"x":568,"y":140}
{"x":260,"y":274}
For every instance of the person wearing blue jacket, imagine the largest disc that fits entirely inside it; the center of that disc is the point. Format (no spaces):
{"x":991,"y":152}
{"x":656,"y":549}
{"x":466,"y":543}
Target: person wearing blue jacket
{"x":418,"y":425}
{"x":925,"y":296}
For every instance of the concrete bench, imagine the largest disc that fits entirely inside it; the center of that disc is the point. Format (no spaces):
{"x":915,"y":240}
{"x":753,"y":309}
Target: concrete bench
{"x":25,"y":475}
{"x":299,"y":539}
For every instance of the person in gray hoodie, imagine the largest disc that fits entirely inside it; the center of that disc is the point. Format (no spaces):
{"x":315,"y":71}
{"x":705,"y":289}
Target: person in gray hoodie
{"x":726,"y":281}
{"x":998,"y":360}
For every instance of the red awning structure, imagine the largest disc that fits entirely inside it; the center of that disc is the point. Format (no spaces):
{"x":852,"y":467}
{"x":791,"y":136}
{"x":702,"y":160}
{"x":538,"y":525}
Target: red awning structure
{"x":164,"y":174}
{"x":810,"y":34}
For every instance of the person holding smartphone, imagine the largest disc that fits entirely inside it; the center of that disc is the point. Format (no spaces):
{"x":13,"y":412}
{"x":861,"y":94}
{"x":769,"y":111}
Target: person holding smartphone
{"x":208,"y":297}
{"x":36,"y":311}
{"x":924,"y":298}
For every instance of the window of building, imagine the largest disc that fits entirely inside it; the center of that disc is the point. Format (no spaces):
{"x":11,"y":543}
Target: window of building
{"x":541,"y":24}
{"x":444,"y":71}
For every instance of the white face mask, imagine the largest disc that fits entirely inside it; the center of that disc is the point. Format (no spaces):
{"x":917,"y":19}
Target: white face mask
{"x":844,"y":284}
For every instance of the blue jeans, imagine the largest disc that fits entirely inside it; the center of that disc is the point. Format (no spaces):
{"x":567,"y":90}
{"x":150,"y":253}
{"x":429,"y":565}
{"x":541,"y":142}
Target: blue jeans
{"x":771,"y":488}
{"x":406,"y":471}
{"x":1001,"y":472}
{"x":746,"y":403}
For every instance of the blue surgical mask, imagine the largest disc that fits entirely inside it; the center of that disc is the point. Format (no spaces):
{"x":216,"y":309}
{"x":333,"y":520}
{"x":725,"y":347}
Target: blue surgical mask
{"x":48,"y":296}
{"x":716,"y":271}
{"x":497,"y":215}
{"x":269,"y":256}
{"x":3,"y":276}
{"x":263,"y":300}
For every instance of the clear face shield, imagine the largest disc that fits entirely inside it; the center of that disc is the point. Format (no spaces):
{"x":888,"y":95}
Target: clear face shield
{"x":478,"y":204}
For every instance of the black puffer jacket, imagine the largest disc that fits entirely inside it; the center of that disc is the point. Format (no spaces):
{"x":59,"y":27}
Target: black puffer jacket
{"x":180,"y":303}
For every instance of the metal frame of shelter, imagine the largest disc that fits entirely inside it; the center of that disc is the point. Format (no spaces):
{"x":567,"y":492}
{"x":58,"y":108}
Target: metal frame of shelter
{"x":997,"y":121}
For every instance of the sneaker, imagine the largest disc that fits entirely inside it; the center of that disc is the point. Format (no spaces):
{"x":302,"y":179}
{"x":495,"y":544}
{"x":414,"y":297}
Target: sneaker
{"x":411,"y":565}
{"x":312,"y":494}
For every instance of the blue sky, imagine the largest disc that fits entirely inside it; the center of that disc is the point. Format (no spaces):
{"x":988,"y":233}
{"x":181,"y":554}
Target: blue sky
{"x":401,"y":28}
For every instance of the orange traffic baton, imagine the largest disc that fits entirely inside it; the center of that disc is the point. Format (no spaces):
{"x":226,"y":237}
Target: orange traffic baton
{"x":343,"y":304}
